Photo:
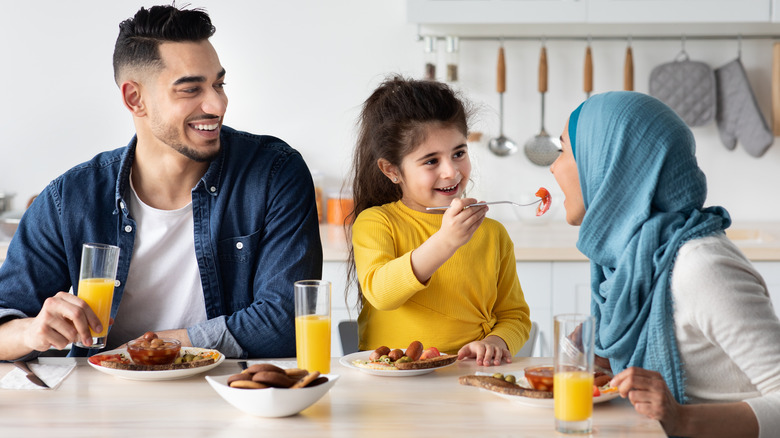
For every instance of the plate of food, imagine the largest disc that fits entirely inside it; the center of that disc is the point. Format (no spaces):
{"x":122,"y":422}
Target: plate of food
{"x":516,"y":387}
{"x":388,"y":362}
{"x":152,"y":358}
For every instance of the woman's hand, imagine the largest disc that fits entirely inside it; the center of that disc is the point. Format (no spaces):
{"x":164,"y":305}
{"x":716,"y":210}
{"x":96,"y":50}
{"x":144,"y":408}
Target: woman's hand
{"x":489,"y":351}
{"x":650,"y":396}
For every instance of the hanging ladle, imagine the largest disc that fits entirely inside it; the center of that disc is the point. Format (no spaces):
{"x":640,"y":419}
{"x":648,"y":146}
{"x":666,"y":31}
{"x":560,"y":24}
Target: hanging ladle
{"x":542,"y":150}
{"x":501,"y":146}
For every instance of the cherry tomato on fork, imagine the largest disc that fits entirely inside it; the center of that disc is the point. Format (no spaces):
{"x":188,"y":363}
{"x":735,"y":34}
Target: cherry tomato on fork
{"x":546,"y":201}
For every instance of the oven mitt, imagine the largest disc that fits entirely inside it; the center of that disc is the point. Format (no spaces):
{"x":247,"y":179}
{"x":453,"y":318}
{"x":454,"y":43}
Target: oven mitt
{"x":738,"y":116}
{"x":688,"y":87}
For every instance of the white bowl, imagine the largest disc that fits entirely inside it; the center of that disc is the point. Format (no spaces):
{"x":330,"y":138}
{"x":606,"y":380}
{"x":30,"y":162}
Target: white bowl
{"x":271,"y":402}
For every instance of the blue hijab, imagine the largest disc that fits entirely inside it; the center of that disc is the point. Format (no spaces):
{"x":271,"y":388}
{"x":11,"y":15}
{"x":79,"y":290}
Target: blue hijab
{"x":644,"y":196}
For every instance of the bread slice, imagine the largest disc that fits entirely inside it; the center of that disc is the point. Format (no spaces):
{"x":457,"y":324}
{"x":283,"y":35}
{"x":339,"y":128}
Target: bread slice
{"x":502,"y":386}
{"x":434,"y":362}
{"x":173,"y":366}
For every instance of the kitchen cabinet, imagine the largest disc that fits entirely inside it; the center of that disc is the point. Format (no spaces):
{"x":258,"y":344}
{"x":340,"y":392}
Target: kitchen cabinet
{"x":536,"y":281}
{"x":775,"y":11}
{"x":336,"y":273}
{"x":591,"y":11}
{"x":496,"y":11}
{"x":679,"y":11}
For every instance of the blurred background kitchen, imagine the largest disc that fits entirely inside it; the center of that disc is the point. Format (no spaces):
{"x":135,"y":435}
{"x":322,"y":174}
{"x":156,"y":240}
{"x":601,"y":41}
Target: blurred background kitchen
{"x":300,"y":70}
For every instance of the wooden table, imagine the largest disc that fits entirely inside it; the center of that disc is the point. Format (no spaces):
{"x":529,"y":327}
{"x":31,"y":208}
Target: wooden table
{"x":90,"y":403}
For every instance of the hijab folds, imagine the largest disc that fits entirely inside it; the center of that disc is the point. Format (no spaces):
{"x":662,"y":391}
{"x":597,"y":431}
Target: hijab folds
{"x":644,"y":195}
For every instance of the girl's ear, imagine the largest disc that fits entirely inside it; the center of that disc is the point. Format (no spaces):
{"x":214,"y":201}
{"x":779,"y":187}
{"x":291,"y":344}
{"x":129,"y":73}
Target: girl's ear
{"x":390,"y":170}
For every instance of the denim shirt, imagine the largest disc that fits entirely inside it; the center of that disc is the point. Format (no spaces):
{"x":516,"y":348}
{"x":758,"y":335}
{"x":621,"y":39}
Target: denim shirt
{"x":256,"y":233}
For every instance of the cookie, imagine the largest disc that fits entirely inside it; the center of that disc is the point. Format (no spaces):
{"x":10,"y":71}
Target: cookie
{"x":258,"y":367}
{"x":247,"y":384}
{"x":273,"y":379}
{"x":312,"y":376}
{"x":240,"y":376}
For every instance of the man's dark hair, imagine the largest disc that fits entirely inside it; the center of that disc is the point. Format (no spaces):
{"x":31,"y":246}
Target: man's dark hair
{"x":139,"y":37}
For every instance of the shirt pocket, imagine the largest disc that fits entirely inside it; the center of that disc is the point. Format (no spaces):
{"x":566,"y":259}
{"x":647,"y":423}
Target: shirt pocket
{"x":238,"y":267}
{"x":241,"y":249}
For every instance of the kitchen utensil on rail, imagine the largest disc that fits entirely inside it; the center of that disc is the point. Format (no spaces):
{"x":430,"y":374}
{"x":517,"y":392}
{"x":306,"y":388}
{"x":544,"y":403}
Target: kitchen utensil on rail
{"x":478,"y":204}
{"x":501,"y":145}
{"x":776,"y":89}
{"x":587,"y":80}
{"x":628,"y":69}
{"x":688,"y":87}
{"x":31,"y":376}
{"x":738,"y":116}
{"x":541,"y":149}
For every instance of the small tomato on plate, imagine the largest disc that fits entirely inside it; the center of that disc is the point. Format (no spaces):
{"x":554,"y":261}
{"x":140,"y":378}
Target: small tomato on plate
{"x":429,"y":353}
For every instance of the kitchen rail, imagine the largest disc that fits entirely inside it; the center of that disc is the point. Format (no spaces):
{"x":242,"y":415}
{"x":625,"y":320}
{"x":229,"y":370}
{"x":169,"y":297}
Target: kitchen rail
{"x":629,"y":37}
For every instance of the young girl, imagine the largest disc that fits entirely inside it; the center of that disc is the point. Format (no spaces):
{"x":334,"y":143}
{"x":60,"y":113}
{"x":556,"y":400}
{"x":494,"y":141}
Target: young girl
{"x":444,"y":277}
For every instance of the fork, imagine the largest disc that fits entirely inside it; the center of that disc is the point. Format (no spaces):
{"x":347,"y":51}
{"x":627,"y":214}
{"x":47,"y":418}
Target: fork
{"x":479,"y":204}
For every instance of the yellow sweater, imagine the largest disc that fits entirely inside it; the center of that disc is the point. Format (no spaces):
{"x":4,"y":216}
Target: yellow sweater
{"x":474,"y":294}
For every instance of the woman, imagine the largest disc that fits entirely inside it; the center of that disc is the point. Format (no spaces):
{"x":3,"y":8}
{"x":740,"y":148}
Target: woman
{"x":684,"y":319}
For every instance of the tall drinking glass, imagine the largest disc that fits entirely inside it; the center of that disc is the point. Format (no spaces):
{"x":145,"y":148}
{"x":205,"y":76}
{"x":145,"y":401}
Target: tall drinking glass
{"x":96,"y":285}
{"x":312,"y":325}
{"x":573,"y":378}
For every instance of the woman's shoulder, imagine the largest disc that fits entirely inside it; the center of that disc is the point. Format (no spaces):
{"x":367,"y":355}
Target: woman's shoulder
{"x":704,"y":252}
{"x":711,"y":268}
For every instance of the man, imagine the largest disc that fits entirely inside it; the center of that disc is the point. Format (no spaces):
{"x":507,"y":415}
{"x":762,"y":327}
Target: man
{"x":214,"y":224}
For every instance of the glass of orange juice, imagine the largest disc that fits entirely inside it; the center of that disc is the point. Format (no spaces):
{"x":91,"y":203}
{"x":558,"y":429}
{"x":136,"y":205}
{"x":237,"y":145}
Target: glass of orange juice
{"x":312,"y":325}
{"x":573,"y":373}
{"x":96,"y":285}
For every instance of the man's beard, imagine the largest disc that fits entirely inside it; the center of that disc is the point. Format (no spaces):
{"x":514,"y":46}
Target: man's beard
{"x":192,"y":154}
{"x":170,"y":136}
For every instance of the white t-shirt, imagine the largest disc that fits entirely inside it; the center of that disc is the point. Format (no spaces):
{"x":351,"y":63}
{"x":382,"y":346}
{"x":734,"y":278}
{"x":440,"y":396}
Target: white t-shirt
{"x":163,"y":289}
{"x":727,"y":330}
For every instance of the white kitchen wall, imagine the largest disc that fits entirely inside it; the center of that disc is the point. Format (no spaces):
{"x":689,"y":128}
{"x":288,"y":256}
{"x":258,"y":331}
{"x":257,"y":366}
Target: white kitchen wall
{"x":300,"y":69}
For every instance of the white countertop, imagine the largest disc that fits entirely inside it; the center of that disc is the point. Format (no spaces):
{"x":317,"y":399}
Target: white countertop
{"x":89,"y":403}
{"x":556,"y":241}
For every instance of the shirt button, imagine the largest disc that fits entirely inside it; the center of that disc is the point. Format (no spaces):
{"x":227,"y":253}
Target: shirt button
{"x":239,"y":245}
{"x":117,"y":283}
{"x":122,"y":205}
{"x":213,"y":189}
{"x":128,"y":228}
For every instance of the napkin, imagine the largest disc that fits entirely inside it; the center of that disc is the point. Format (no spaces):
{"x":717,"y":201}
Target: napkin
{"x":53,"y":375}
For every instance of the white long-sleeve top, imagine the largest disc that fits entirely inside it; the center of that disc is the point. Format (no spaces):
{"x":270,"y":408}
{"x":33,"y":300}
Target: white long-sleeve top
{"x":727,"y":330}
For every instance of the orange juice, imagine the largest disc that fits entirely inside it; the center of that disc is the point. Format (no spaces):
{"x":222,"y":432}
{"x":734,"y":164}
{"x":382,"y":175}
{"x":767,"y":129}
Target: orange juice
{"x":573,"y":394}
{"x":312,"y":341}
{"x":98,"y":293}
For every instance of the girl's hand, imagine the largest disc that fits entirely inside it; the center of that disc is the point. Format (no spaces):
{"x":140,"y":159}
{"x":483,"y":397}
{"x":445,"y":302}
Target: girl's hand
{"x":459,"y":222}
{"x":489,"y":351}
{"x":650,"y":396}
{"x":457,"y":226}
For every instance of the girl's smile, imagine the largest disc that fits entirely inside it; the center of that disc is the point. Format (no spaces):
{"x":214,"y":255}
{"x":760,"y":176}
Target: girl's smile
{"x":435,"y":172}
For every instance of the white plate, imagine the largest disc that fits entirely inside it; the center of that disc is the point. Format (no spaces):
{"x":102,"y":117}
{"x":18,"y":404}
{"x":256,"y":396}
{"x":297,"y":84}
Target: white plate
{"x":363,"y":355}
{"x":538,"y":402}
{"x":157,"y":375}
{"x":271,"y":402}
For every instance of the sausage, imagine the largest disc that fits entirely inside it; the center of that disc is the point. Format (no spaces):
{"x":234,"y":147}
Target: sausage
{"x":395,"y":354}
{"x":415,"y":350}
{"x":379,"y":352}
